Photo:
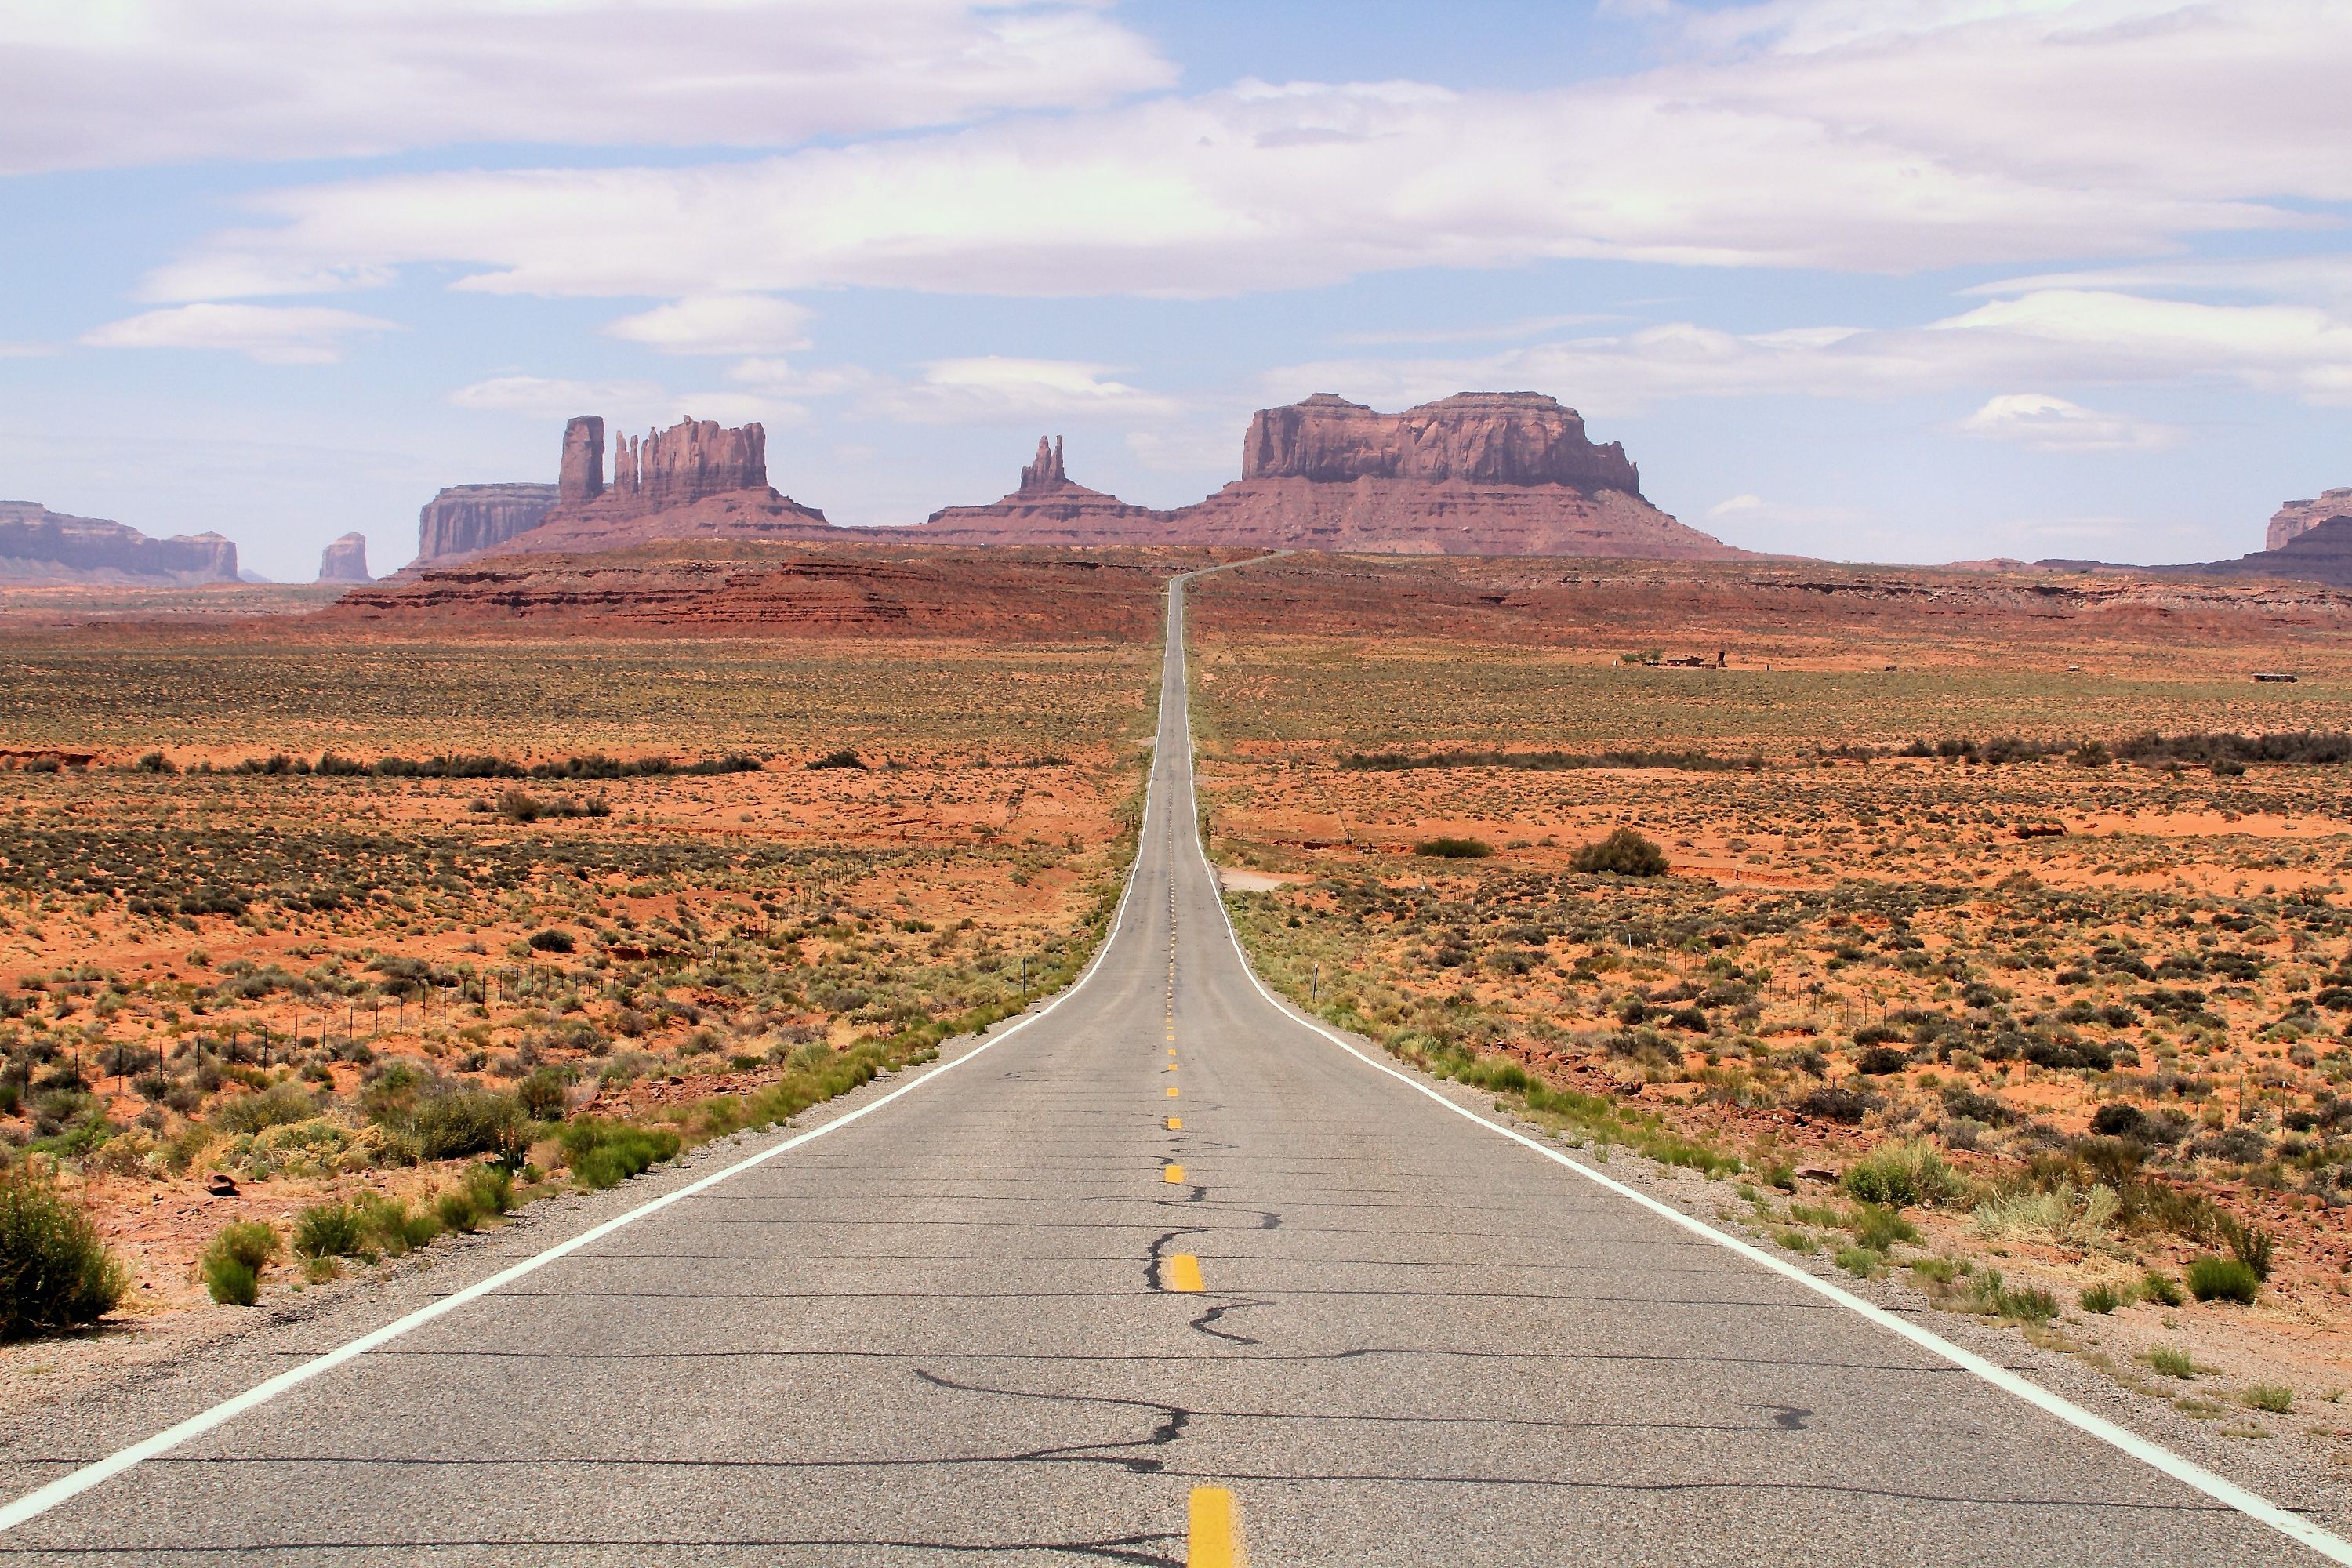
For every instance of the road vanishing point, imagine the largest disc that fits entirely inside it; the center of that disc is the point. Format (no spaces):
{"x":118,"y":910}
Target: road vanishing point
{"x":1160,"y":1273}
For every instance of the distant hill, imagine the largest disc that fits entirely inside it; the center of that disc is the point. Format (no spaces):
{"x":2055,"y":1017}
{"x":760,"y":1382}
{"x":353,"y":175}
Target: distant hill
{"x":40,"y":547}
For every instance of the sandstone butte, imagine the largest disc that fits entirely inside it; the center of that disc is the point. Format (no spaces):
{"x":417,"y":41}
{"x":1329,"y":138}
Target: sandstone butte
{"x":697,"y":479}
{"x":42,"y":547}
{"x":345,"y":559}
{"x":2297,"y":517}
{"x":1479,"y":473}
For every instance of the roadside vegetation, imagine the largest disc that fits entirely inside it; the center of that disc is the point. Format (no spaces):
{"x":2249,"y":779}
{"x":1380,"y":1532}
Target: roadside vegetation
{"x":280,"y":995}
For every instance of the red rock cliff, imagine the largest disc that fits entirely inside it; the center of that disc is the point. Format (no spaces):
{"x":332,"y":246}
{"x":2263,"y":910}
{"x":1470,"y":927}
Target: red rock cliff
{"x":1050,"y":508}
{"x":38,"y":545}
{"x":580,"y":475}
{"x":694,"y":459}
{"x":467,"y":519}
{"x":2300,"y":517}
{"x":345,"y":561}
{"x":1480,"y":438}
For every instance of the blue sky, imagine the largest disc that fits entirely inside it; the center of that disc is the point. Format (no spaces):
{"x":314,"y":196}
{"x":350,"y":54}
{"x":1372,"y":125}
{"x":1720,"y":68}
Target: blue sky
{"x":1886,"y":279}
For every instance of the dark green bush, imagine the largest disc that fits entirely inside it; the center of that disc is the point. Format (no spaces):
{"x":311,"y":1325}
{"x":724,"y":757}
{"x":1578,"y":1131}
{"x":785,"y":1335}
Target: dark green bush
{"x":550,"y":941}
{"x":606,"y":1154}
{"x":330,"y":1230}
{"x":2223,"y":1280}
{"x":1625,"y":853}
{"x":55,"y":1272}
{"x":273,"y":1107}
{"x":845,"y":758}
{"x":233,"y":1263}
{"x":1455,"y":848}
{"x":541,"y":1095}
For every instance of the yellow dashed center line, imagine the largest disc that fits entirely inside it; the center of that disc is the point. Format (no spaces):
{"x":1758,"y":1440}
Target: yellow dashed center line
{"x":1214,"y":1539}
{"x":1171,"y":1172}
{"x":1171,"y":1089}
{"x":1183,"y":1273}
{"x":1175,"y":1124}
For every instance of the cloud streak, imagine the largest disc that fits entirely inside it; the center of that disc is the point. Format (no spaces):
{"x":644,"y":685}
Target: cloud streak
{"x":272,"y":334}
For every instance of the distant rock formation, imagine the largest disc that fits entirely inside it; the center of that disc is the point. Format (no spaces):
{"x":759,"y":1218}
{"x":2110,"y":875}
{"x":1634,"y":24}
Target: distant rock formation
{"x":1046,"y":472}
{"x":345,"y":561}
{"x":1481,"y":473}
{"x":2297,"y":517}
{"x":2319,"y":552}
{"x":697,"y":479}
{"x":466,"y":520}
{"x":664,"y":471}
{"x":1048,"y":509}
{"x":41,"y":546}
{"x":1477,"y":437}
{"x":580,"y":475}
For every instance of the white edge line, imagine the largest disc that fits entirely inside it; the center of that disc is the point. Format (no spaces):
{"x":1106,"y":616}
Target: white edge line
{"x":73,"y":1483}
{"x":2155,"y":1454}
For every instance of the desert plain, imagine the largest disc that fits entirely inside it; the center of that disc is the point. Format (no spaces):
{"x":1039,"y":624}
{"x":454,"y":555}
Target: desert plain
{"x":1997,"y":943}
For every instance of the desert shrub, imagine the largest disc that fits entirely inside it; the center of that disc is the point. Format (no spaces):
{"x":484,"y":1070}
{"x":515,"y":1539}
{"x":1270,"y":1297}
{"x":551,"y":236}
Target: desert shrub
{"x":520,"y":805}
{"x":2214,"y":1278}
{"x":389,"y":1224}
{"x":2018,"y":1303}
{"x":55,"y":1272}
{"x":844,"y":758}
{"x":154,"y":762}
{"x":1878,"y":1228}
{"x":2160,"y":1288}
{"x":2252,"y":1247}
{"x":1455,"y":848}
{"x":276,"y":1106}
{"x":550,"y":941}
{"x":486,"y":1191}
{"x":2275,"y":1398}
{"x":330,"y":1230}
{"x":233,"y":1263}
{"x":447,"y":1120}
{"x":2172,"y":1361}
{"x":1831,"y":1103}
{"x":2066,"y":1215}
{"x":2102,"y":1298}
{"x":605,"y":1153}
{"x":541,"y":1095}
{"x":1902,"y":1176}
{"x":1625,"y":853}
{"x":1880,"y":1060}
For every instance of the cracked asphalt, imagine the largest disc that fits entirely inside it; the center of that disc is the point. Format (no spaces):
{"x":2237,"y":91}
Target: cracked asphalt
{"x":959,"y":1328}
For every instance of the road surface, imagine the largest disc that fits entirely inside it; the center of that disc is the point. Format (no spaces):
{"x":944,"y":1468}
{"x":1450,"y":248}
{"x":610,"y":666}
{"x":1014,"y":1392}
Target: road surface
{"x":1164,"y":1236}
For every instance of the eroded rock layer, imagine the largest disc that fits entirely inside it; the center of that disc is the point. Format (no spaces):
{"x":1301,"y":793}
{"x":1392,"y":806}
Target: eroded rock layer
{"x":2297,"y":517}
{"x":1481,"y":473}
{"x":345,"y":561}
{"x":697,"y":479}
{"x":1048,"y":509}
{"x":41,"y":546}
{"x":467,"y":519}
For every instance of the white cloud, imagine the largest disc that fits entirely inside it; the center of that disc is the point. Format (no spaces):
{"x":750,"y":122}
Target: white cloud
{"x":2066,"y":337}
{"x":996,"y":390}
{"x":274,"y":335}
{"x":718,"y":324}
{"x":178,"y":81}
{"x":2044,"y":424}
{"x":1500,"y":332}
{"x":1837,"y":135}
{"x":624,"y":404}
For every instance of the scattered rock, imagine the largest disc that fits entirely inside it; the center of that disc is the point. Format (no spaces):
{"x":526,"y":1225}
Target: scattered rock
{"x":221,"y":1184}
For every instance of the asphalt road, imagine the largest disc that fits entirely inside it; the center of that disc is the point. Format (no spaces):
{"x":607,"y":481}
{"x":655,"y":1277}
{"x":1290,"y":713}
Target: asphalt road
{"x":958,"y":1327}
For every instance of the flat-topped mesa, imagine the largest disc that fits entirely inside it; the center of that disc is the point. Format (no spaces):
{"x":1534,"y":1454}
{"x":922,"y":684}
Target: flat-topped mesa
{"x":697,"y":479}
{"x":465,"y":521}
{"x":1479,"y":473}
{"x":38,"y":545}
{"x":1480,"y":438}
{"x":2300,"y":517}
